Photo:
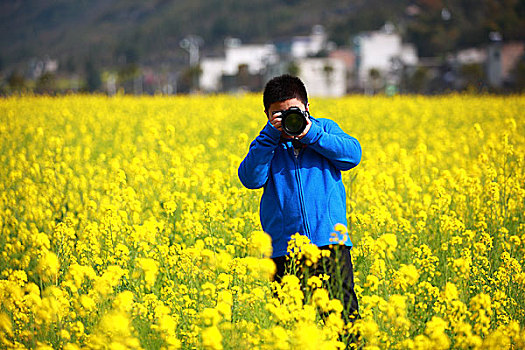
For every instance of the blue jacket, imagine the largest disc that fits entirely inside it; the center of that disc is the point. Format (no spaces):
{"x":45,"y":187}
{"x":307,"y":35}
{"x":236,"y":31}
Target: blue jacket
{"x":302,"y":194}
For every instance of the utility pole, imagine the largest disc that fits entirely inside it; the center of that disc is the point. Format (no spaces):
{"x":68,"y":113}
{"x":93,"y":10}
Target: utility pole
{"x":191,"y":43}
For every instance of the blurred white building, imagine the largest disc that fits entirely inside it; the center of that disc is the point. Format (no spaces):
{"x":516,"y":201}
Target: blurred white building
{"x":471,"y":55}
{"x":311,"y":45}
{"x":212,"y":70}
{"x":384,"y":53}
{"x":255,"y":57}
{"x":323,"y":76}
{"x":326,"y":77}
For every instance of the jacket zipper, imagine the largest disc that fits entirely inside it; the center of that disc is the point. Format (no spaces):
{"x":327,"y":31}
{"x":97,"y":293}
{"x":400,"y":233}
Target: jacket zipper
{"x":301,"y":196}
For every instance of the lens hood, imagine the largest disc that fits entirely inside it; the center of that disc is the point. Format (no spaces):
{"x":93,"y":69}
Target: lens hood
{"x":294,"y":121}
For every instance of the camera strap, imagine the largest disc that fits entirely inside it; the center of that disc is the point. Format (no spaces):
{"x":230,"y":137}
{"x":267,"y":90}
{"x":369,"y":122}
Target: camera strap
{"x":297,"y":144}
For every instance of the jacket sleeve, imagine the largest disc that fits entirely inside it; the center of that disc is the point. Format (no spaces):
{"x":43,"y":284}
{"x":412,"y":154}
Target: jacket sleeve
{"x":254,"y":169}
{"x":343,"y":150}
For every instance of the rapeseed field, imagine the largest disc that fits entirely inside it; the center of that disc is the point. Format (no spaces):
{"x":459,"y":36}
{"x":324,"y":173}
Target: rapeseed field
{"x":123,"y":225}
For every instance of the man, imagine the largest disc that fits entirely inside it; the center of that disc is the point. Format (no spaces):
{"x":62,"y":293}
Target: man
{"x":301,"y":176}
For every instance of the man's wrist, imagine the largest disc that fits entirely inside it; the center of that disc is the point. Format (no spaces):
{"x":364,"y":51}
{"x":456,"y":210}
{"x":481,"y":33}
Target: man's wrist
{"x":271,"y":131}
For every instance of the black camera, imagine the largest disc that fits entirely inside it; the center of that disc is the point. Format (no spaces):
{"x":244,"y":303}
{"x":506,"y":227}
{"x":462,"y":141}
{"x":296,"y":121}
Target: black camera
{"x":294,"y":121}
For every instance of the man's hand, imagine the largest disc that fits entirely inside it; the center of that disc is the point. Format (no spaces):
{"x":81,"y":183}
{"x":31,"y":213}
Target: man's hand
{"x":276,"y":120}
{"x":308,"y":126}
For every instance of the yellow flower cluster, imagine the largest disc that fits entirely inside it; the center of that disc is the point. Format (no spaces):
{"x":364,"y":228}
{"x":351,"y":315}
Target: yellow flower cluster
{"x":123,"y":225}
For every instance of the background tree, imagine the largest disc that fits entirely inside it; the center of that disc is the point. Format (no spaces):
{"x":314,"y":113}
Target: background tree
{"x":93,"y":80}
{"x":16,"y":82}
{"x":293,"y":68}
{"x":46,"y":83}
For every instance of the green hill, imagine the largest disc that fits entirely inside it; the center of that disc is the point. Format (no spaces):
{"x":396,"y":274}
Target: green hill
{"x":110,"y":32}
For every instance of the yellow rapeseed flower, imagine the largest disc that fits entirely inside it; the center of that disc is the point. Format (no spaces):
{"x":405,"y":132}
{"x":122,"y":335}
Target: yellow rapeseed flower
{"x":124,"y":225}
{"x":212,"y":338}
{"x":48,"y":265}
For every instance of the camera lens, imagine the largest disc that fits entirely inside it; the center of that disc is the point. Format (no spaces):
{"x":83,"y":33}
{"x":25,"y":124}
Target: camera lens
{"x":294,"y":121}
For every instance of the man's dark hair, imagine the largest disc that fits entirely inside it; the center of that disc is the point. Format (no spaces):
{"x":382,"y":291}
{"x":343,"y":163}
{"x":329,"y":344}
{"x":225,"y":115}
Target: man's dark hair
{"x":282,"y":88}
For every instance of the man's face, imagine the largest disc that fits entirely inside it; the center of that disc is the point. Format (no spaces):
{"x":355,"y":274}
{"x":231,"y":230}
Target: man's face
{"x":284,"y":105}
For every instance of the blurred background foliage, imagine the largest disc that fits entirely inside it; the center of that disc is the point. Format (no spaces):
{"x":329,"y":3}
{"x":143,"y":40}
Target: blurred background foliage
{"x":132,"y":31}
